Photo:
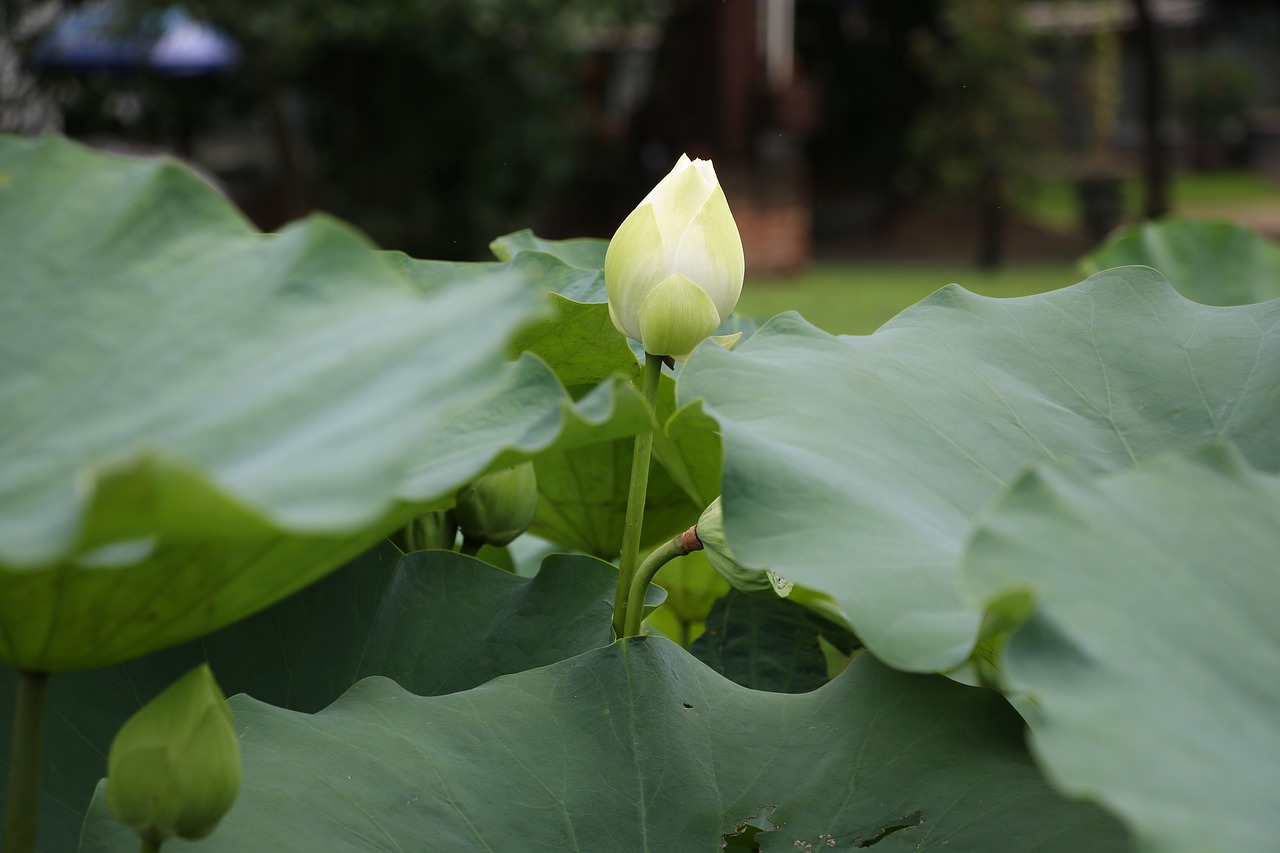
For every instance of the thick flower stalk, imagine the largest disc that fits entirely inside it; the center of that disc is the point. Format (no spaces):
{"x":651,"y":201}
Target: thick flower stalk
{"x":674,"y":272}
{"x":674,"y":269}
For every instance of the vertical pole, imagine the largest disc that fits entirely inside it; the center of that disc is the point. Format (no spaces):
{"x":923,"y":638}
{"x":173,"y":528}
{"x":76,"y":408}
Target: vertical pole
{"x":1155,"y":155}
{"x":735,"y":64}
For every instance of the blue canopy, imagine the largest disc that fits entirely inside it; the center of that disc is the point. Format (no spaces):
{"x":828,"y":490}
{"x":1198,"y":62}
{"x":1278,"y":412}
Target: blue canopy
{"x":101,"y":35}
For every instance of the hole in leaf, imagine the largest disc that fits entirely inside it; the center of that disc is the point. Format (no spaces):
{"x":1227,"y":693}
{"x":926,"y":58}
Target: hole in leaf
{"x":905,"y":822}
{"x":743,"y":837}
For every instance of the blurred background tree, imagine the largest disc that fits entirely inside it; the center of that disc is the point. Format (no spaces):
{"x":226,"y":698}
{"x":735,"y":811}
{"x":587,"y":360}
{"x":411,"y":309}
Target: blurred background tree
{"x":986,"y":125}
{"x":871,"y":88}
{"x":25,"y":107}
{"x":841,"y":128}
{"x":435,"y":125}
{"x":1214,"y":91}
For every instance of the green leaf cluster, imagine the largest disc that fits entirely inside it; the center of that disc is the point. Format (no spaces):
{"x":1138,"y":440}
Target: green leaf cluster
{"x":1030,"y":544}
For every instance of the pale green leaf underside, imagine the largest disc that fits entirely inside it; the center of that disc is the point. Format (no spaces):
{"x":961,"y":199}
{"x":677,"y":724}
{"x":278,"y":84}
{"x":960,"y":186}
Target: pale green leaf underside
{"x":637,"y":746}
{"x":857,"y":466}
{"x":1154,"y":654}
{"x":238,"y":408}
{"x":584,"y":254}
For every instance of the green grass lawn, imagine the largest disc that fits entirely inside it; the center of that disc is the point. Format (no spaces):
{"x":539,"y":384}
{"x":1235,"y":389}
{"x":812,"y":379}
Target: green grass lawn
{"x":856,"y":299}
{"x":1207,"y":194}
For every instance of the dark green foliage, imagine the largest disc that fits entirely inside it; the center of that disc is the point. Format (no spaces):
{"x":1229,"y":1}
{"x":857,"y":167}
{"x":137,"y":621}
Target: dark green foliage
{"x":1035,"y":467}
{"x":433,"y":124}
{"x":986,"y":115}
{"x":768,"y":643}
{"x":637,"y":746}
{"x":435,"y":621}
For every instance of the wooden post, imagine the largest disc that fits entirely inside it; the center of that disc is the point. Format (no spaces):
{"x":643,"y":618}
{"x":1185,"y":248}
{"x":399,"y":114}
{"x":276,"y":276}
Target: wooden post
{"x":1155,"y":155}
{"x":735,"y":67}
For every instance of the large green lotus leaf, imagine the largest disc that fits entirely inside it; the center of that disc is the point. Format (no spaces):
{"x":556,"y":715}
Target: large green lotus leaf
{"x":1154,"y":651}
{"x":202,"y":418}
{"x":857,"y":466}
{"x":638,"y":746}
{"x":1214,"y":263}
{"x":435,"y":621}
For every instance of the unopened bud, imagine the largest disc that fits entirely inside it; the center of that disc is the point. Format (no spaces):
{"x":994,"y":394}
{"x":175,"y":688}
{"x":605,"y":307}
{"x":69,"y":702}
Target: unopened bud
{"x":174,"y":767}
{"x":674,"y":269}
{"x":499,"y":506}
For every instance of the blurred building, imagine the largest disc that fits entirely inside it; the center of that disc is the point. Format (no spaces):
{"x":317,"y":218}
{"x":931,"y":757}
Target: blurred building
{"x":1224,"y":80}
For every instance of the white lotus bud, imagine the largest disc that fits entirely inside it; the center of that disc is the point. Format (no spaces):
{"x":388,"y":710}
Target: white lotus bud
{"x":674,"y":269}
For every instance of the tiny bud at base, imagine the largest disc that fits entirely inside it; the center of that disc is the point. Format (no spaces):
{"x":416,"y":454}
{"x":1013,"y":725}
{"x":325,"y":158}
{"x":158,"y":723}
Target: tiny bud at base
{"x":499,"y":506}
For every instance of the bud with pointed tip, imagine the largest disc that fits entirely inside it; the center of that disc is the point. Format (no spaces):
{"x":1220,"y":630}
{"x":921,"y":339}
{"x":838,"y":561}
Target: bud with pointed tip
{"x":499,"y":506}
{"x":710,"y":530}
{"x":674,"y":269}
{"x":174,"y":766}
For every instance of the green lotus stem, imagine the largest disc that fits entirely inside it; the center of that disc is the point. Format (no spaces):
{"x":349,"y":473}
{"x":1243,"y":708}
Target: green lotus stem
{"x":470,"y":547}
{"x":635,"y":498}
{"x":150,"y":846}
{"x":659,"y":557}
{"x":24,"y":772}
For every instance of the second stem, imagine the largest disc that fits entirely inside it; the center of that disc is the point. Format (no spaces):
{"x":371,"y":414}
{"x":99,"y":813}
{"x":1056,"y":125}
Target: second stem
{"x":659,"y":557}
{"x":24,"y":768}
{"x":630,"y":556}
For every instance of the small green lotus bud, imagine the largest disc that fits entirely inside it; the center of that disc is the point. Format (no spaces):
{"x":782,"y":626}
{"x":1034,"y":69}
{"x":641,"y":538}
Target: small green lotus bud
{"x":499,"y":506}
{"x":429,"y":531}
{"x":674,"y":268}
{"x":710,"y":530}
{"x":174,"y":767}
